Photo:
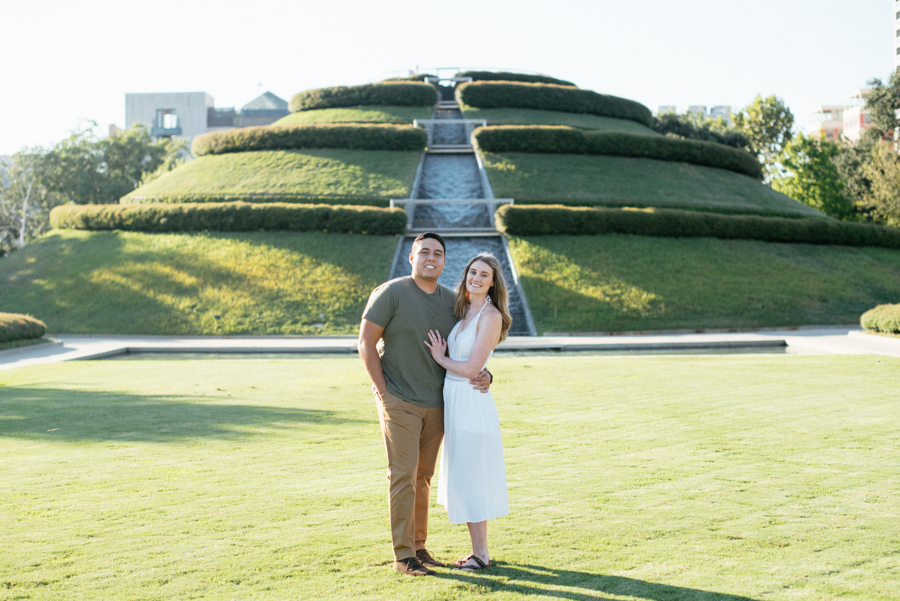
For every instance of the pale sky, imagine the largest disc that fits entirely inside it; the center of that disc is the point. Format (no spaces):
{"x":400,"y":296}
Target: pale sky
{"x":64,"y":62}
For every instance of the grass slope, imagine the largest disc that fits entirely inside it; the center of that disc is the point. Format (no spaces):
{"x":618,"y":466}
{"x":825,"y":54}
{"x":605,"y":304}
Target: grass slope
{"x":688,"y":478}
{"x":622,"y":282}
{"x":359,"y":114}
{"x":257,"y":283}
{"x":538,"y":117}
{"x":584,"y":179}
{"x":304,"y":174}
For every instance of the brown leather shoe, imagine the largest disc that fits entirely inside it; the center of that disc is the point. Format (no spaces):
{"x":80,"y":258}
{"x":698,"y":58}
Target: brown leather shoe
{"x":412,"y":567}
{"x":425,"y":557}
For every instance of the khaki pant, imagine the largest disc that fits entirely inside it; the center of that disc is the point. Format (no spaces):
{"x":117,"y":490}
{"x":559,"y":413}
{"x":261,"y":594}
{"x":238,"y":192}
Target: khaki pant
{"x":412,"y":437}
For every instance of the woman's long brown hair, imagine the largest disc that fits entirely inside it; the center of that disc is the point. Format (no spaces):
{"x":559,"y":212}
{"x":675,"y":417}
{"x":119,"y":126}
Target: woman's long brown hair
{"x":498,"y":293}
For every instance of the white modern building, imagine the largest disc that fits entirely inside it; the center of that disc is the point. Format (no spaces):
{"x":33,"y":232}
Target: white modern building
{"x":896,"y":34}
{"x":847,"y":121}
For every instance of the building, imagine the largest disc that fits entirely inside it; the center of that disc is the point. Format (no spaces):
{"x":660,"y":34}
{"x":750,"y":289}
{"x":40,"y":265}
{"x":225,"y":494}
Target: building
{"x":722,"y":111}
{"x":896,"y":34}
{"x":828,"y":120}
{"x":847,"y":121}
{"x":190,"y":114}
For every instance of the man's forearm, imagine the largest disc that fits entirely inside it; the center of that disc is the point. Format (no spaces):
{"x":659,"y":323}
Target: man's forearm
{"x":372,"y":363}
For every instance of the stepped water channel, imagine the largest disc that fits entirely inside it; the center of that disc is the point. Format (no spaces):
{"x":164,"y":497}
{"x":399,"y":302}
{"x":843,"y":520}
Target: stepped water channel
{"x":451,"y":171}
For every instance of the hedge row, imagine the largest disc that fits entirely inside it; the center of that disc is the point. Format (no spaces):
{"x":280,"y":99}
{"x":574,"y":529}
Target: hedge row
{"x":390,"y":93}
{"x":883,"y":318}
{"x":230,"y":217}
{"x":252,"y":198}
{"x":20,"y":327}
{"x":561,"y":139}
{"x":495,"y":95}
{"x":507,"y":76}
{"x":325,"y":135}
{"x":537,"y":220}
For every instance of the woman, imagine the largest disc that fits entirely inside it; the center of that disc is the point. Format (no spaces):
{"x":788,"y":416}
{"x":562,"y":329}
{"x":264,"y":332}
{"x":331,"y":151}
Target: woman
{"x":473,"y":477}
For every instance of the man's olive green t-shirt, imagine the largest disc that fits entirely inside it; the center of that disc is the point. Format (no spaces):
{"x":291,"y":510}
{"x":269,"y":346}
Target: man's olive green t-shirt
{"x":406,"y":312}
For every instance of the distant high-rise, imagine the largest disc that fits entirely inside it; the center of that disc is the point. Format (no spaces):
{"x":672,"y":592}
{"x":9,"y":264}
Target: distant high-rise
{"x":896,"y":34}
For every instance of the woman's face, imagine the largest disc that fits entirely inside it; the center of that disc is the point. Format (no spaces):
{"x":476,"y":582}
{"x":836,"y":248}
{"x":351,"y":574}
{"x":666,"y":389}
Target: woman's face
{"x":479,"y":278}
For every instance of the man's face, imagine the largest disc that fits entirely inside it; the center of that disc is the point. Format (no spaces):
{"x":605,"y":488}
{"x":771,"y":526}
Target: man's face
{"x":427,"y":259}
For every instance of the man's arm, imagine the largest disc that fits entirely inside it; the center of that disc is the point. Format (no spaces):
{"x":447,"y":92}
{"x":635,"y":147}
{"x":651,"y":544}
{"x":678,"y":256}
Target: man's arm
{"x":369,"y":335}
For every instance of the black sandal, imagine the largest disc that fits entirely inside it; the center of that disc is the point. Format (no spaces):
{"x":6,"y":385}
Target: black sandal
{"x":461,"y":564}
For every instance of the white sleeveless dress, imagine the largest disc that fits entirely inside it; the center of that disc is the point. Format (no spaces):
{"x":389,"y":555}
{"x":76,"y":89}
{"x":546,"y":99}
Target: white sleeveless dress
{"x":472,"y":482}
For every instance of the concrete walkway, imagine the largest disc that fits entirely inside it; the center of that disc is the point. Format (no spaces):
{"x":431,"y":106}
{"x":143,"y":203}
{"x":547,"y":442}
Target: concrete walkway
{"x":810,"y":341}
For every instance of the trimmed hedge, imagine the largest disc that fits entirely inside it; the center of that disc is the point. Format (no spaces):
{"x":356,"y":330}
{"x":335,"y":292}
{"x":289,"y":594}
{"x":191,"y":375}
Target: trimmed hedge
{"x":230,"y":217}
{"x":20,"y":327}
{"x":883,"y":318}
{"x":568,"y":140}
{"x":391,"y":93}
{"x":325,"y":135}
{"x":508,"y":76}
{"x":252,"y":198}
{"x":540,"y":220}
{"x":547,"y":97}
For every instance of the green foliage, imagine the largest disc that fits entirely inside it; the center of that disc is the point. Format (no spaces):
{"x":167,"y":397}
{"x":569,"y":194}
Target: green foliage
{"x":413,"y":77}
{"x":883,"y":318}
{"x":542,"y":220}
{"x":698,"y":127}
{"x":622,"y":181}
{"x":363,"y":114}
{"x":339,"y":176}
{"x":883,"y":173}
{"x":203,"y":283}
{"x":850,"y":162}
{"x":810,"y":175}
{"x":538,"y":117}
{"x":230,"y":217}
{"x":567,"y":140}
{"x":325,"y":135}
{"x":883,"y":102}
{"x":767,"y":123}
{"x":393,"y":94}
{"x":508,"y":76}
{"x":488,"y":94}
{"x":20,"y":327}
{"x":621,"y":282}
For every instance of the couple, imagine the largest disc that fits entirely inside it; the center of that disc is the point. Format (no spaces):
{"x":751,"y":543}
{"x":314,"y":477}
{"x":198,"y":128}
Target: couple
{"x":420,"y":391}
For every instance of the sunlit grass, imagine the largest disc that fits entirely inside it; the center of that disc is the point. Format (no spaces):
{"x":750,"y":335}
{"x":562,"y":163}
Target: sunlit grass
{"x":585,"y":179}
{"x":303,"y":174}
{"x":730,"y":479}
{"x":205,"y":283}
{"x":622,"y":282}
{"x":360,"y":114}
{"x":508,"y":116}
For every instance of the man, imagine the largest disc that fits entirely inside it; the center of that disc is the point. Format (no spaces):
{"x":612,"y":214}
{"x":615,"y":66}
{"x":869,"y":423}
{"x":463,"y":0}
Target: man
{"x":408,"y":387}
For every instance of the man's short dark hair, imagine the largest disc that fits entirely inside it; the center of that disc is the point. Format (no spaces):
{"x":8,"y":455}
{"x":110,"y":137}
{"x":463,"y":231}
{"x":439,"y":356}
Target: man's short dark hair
{"x":433,"y":236}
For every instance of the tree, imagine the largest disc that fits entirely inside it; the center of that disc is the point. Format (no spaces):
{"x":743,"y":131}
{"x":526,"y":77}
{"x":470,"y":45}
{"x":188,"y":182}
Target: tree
{"x":850,"y":164}
{"x":810,"y":175}
{"x":884,"y":193}
{"x":25,"y":202}
{"x":768,"y":124}
{"x":883,"y":103}
{"x":700,"y":127}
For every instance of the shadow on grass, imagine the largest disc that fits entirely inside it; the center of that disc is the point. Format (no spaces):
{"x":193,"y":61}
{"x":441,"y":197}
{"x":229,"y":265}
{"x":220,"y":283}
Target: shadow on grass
{"x":521,"y":579}
{"x":54,"y":414}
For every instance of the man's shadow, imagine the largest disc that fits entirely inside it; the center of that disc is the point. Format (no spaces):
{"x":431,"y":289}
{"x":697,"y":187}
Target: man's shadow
{"x":522,"y":578}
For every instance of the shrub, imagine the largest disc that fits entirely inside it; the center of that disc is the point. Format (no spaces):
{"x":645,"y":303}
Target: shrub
{"x":691,"y":127}
{"x":230,"y":217}
{"x":561,"y":139}
{"x":20,"y":327}
{"x":507,"y":76}
{"x":324,"y":135}
{"x":251,"y":198}
{"x":883,"y":318}
{"x":392,"y":94}
{"x":547,"y":97}
{"x":537,"y":220}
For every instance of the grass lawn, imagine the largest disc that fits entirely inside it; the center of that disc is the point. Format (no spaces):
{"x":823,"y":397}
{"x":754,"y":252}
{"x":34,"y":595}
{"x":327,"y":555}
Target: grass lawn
{"x":620,"y":282}
{"x":716,"y":478}
{"x":360,"y":114}
{"x":508,"y":116}
{"x":256,"y":282}
{"x":618,"y":181}
{"x":303,"y":174}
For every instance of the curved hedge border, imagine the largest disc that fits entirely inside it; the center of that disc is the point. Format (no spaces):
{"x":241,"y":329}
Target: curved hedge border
{"x":562,"y":139}
{"x":391,"y":93}
{"x":325,"y":135}
{"x":883,"y":318}
{"x":20,"y":327}
{"x":537,"y":220}
{"x":230,"y":217}
{"x":546,"y":97}
{"x":508,"y":76}
{"x":252,"y":198}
